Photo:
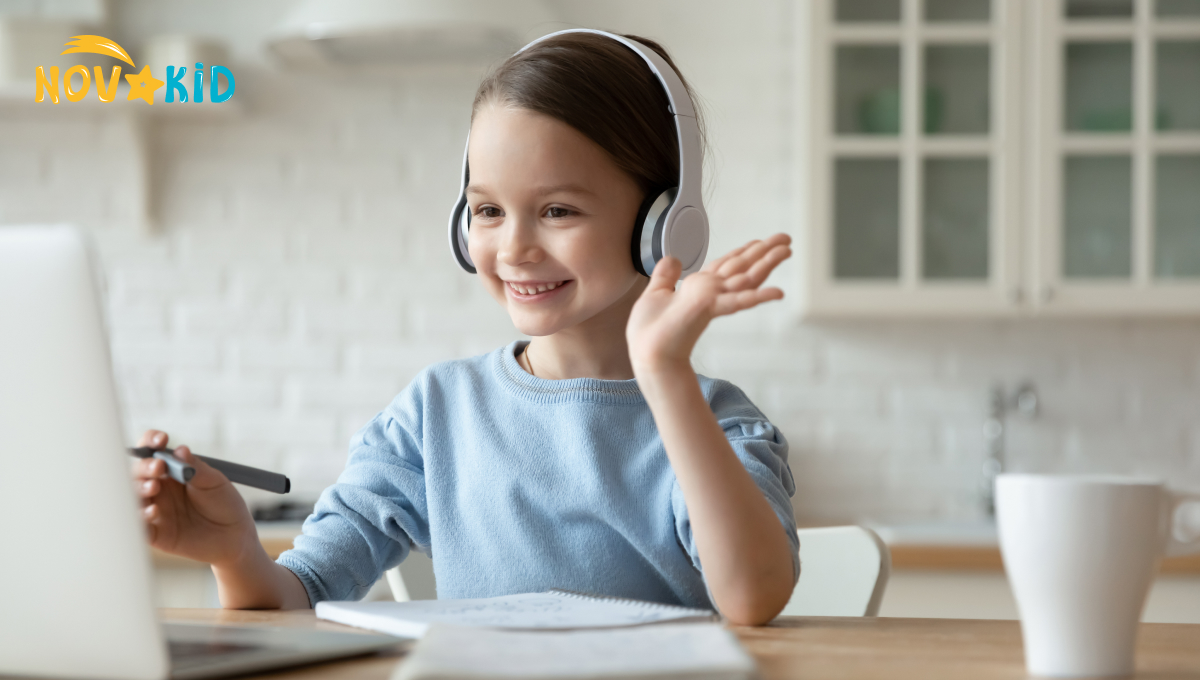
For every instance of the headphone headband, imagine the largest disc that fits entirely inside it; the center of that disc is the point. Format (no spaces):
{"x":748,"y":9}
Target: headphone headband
{"x":681,"y":103}
{"x":673,"y":223}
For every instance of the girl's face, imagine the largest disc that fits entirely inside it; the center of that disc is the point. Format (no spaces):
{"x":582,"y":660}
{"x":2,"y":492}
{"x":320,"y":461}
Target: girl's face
{"x":551,"y":220}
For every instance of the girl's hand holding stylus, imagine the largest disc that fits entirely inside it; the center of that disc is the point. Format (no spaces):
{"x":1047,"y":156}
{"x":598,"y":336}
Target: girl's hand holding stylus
{"x":205,"y":519}
{"x":666,"y":323}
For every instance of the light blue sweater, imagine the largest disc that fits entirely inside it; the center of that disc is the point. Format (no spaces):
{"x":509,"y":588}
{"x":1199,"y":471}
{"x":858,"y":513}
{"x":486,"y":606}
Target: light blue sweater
{"x":517,"y":484}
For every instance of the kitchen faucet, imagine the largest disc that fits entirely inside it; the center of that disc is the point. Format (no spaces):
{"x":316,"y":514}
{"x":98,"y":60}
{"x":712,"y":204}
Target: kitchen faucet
{"x":1024,"y":401}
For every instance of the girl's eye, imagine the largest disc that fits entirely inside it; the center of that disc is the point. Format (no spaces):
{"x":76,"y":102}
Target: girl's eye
{"x":557,"y":212}
{"x":488,"y":212}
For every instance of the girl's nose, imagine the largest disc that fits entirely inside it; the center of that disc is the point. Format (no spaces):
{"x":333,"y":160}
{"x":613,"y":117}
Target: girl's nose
{"x":518,"y":242}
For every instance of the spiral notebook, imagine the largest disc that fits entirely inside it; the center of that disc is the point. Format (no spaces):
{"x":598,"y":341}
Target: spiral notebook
{"x":551,"y":610}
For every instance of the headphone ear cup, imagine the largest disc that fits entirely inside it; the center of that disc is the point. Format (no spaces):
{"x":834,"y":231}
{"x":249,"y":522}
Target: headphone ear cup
{"x":646,"y":247}
{"x":460,"y":223}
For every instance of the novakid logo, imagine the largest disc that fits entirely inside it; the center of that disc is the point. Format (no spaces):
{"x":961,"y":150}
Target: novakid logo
{"x":142,"y":85}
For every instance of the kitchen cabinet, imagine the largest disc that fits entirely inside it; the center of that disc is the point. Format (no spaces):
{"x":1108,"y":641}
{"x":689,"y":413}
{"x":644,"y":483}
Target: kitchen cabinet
{"x":1001,"y":157}
{"x":1116,"y":178}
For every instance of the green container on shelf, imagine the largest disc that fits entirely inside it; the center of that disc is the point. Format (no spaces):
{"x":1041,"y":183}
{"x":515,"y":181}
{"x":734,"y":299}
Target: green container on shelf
{"x":879,"y":112}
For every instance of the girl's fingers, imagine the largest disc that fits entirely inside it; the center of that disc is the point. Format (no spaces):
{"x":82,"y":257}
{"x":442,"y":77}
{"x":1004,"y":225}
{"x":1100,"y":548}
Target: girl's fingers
{"x":736,"y":260}
{"x":208,"y":477}
{"x":751,"y":253}
{"x":153,"y":521}
{"x":729,"y":303}
{"x":759,"y":271}
{"x":150,"y":468}
{"x":738,"y":263}
{"x":149,"y":514}
{"x":153,"y":438}
{"x":149,"y":488}
{"x":665,"y":275}
{"x":185,"y":454}
{"x":716,"y":264}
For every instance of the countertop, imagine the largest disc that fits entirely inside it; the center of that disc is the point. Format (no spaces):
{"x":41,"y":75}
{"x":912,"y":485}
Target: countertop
{"x":933,"y":547}
{"x":968,"y":546}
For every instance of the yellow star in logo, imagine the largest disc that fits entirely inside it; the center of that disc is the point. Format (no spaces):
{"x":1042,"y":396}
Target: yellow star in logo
{"x":143,"y":85}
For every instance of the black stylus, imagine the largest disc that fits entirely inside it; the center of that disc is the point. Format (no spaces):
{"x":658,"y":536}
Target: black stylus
{"x":235,"y":472}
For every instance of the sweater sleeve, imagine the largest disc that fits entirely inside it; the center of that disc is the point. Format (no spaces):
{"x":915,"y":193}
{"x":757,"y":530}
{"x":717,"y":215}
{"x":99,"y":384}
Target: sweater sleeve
{"x":376,"y":512}
{"x":763,"y":450}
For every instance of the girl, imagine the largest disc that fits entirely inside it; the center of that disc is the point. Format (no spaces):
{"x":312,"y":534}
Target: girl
{"x":590,"y":458}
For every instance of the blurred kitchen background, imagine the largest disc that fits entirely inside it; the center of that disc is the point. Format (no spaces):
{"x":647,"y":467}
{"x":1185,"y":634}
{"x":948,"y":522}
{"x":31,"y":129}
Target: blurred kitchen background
{"x":996,"y":206}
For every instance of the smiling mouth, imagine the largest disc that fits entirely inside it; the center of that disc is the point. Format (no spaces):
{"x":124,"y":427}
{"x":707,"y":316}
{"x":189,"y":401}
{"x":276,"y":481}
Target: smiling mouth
{"x":533,"y":289}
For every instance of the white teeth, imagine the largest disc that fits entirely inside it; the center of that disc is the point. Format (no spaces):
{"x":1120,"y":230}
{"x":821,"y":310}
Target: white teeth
{"x":534,"y":290}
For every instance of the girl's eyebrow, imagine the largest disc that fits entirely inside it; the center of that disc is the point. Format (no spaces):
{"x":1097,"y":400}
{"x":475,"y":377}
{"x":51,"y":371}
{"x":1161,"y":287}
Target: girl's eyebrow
{"x":543,"y":191}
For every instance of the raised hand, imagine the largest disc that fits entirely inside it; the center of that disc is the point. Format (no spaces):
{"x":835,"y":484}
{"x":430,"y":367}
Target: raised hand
{"x":747,"y":559}
{"x":665,"y":323}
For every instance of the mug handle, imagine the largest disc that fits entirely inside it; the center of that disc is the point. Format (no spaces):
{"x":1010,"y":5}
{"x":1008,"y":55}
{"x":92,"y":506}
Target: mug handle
{"x":1184,"y":537}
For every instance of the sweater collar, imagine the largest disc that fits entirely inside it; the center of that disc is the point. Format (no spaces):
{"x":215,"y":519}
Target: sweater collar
{"x":594,"y":390}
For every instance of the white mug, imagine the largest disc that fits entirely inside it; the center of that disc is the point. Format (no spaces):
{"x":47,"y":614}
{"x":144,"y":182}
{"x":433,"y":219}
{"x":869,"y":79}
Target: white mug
{"x":1081,"y":552}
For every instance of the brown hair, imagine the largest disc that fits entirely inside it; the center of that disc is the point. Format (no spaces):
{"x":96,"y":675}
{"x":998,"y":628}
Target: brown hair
{"x":603,"y":89}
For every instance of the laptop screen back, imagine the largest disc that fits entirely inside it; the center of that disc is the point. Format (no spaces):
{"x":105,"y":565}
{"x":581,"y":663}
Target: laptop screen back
{"x":76,"y":571}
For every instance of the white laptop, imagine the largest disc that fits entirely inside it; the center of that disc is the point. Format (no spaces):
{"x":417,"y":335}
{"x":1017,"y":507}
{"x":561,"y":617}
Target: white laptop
{"x":76,"y":588}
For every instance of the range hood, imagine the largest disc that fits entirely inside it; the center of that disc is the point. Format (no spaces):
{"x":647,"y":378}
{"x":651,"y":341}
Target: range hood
{"x":333,"y":33}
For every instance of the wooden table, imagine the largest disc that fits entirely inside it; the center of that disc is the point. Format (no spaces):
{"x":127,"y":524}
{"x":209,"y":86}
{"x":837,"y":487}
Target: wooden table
{"x":812,"y":648}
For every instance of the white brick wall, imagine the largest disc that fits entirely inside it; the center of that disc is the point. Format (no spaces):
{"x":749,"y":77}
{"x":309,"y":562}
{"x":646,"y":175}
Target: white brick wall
{"x":300,"y":278}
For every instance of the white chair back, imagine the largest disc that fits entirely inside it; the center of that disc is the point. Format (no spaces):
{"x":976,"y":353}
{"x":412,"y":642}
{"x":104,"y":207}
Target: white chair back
{"x":843,"y":572}
{"x":413,"y":579}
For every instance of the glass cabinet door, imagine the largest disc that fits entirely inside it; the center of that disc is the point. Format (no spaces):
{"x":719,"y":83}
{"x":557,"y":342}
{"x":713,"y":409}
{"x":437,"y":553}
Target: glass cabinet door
{"x":1098,"y":217}
{"x":956,"y":219}
{"x":1177,"y":216}
{"x":867,"y":99}
{"x":1002,"y":157}
{"x":957,"y":89}
{"x":1098,"y":92}
{"x":1125,"y":152}
{"x":867,"y":104}
{"x":915,"y":147}
{"x":866,"y":222}
{"x":1177,"y":84}
{"x":1176,"y":169}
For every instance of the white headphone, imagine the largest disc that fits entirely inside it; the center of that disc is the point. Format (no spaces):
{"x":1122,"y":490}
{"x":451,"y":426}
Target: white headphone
{"x":672,"y":223}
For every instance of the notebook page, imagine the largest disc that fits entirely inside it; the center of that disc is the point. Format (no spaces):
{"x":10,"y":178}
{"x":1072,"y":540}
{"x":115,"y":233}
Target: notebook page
{"x":668,"y":651}
{"x":551,"y":610}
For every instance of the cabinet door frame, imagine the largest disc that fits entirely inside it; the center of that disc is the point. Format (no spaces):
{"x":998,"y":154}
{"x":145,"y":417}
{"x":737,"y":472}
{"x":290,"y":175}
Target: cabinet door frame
{"x":1003,"y":292}
{"x":1049,"y":143}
